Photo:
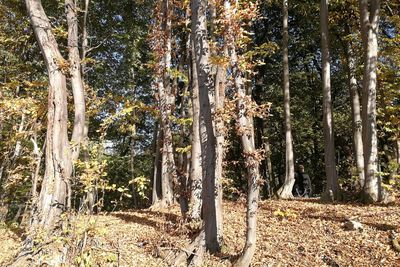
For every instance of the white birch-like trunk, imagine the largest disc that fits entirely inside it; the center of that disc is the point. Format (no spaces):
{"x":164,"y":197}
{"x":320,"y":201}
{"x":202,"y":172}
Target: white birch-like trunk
{"x":286,"y":190}
{"x":356,"y":115}
{"x":78,"y":90}
{"x":369,"y":11}
{"x":332,"y":187}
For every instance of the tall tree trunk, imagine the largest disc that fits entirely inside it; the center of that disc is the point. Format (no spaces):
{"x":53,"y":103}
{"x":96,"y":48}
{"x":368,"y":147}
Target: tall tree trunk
{"x":219,"y":103}
{"x":219,"y":92}
{"x":369,"y":31}
{"x":196,"y":167}
{"x":78,"y":131}
{"x":286,"y":190}
{"x":168,"y":168}
{"x":53,"y":195}
{"x":332,"y":187}
{"x":252,"y":165}
{"x":356,"y":113}
{"x":213,"y":235}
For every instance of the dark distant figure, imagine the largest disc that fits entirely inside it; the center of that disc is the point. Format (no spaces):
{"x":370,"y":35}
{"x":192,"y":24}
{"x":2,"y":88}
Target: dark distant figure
{"x":302,"y":185}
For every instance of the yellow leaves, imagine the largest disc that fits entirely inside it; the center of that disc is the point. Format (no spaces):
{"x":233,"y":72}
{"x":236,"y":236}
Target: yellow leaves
{"x":183,"y":150}
{"x":63,"y":65}
{"x":141,"y":185}
{"x":285,"y":214}
{"x":60,"y":32}
{"x":219,"y":60}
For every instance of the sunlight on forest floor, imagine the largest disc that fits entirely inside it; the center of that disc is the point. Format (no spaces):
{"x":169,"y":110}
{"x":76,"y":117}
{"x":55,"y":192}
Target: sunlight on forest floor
{"x":290,"y":233}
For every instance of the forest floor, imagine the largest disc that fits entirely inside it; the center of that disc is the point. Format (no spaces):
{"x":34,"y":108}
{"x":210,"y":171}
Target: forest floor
{"x":290,"y":233}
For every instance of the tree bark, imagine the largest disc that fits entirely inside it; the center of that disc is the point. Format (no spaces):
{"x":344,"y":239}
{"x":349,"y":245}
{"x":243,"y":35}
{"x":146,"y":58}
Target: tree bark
{"x":213,"y":237}
{"x":356,"y":113}
{"x":369,"y":31}
{"x":53,"y":195}
{"x":286,"y":190}
{"x":78,"y":131}
{"x":252,"y":165}
{"x":332,"y":187}
{"x":157,"y":165}
{"x":168,"y":168}
{"x":196,"y":168}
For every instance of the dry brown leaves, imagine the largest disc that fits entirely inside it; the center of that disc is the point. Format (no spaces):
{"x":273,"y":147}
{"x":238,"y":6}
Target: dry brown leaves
{"x":290,"y":233}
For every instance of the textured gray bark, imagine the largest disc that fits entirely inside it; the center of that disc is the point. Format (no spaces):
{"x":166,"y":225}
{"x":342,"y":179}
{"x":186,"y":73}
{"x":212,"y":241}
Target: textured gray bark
{"x":356,"y":114}
{"x":252,"y":166}
{"x":53,"y":194}
{"x":196,"y":170}
{"x":78,"y":90}
{"x":332,"y":186}
{"x":213,"y":237}
{"x":286,"y":190}
{"x":168,"y":169}
{"x":219,"y":92}
{"x":369,"y":32}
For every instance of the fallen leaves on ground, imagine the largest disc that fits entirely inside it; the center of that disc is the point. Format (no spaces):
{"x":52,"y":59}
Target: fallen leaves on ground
{"x":290,"y":233}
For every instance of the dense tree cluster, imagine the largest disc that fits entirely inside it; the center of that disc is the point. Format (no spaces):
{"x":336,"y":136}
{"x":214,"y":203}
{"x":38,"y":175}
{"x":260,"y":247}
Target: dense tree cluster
{"x":109,"y":105}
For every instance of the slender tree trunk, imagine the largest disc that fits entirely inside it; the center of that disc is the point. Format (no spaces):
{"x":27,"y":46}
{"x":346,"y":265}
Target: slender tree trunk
{"x":196,"y":168}
{"x":219,"y":92}
{"x":332,"y":187}
{"x":369,"y":31}
{"x":168,"y":168}
{"x":286,"y":190}
{"x":53,"y":195}
{"x":18,"y":146}
{"x":132,"y":150}
{"x":156,"y":196}
{"x":252,"y":165}
{"x":76,"y":79}
{"x":213,"y":235}
{"x":356,"y":114}
{"x":35,"y":176}
{"x":85,"y":43}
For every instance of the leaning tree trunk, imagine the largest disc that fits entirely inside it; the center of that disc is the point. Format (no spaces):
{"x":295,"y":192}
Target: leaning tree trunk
{"x":213,"y":235}
{"x":369,"y":31}
{"x":53,"y":195}
{"x":332,"y":187}
{"x":246,"y":132}
{"x":286,"y":190}
{"x":356,"y":114}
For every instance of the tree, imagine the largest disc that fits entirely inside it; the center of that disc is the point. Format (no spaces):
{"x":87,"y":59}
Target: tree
{"x":195,"y":167}
{"x":78,"y":132}
{"x":166,"y":101}
{"x":355,"y":109}
{"x":332,"y":187}
{"x":213,"y":236}
{"x":53,"y":195}
{"x":286,"y":190}
{"x":369,"y":13}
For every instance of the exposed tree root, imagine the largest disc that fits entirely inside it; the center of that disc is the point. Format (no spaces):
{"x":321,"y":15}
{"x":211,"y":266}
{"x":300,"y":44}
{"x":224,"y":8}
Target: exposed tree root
{"x":193,"y":254}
